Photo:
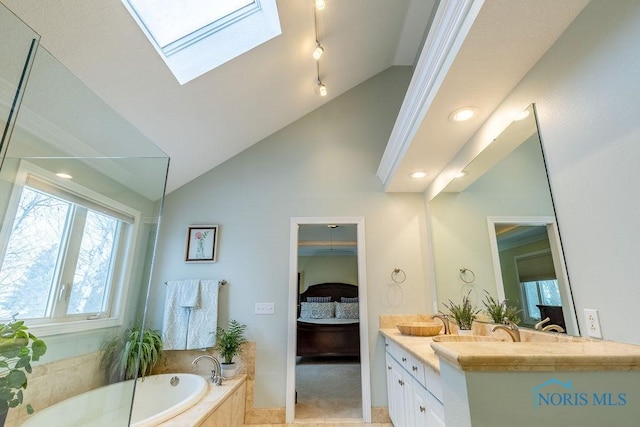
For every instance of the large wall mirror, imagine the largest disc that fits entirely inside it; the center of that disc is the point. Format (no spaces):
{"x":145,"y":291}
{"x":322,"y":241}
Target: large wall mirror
{"x":497,"y":220}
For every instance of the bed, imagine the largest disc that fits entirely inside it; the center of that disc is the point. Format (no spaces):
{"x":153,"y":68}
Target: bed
{"x":321,"y":334}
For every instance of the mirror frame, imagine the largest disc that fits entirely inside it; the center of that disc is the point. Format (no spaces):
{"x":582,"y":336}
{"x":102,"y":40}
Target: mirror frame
{"x":293,"y":312}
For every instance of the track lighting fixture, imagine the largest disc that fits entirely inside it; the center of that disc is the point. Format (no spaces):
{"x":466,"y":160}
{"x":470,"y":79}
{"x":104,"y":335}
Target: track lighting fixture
{"x":319,"y":50}
{"x":322,"y":89}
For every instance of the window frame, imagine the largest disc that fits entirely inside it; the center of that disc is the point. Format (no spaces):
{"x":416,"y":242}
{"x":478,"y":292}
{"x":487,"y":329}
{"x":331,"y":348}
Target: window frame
{"x":218,"y":42}
{"x":122,"y":271}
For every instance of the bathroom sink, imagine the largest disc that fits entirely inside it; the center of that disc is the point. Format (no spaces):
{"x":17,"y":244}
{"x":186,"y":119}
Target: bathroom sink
{"x":465,"y":338}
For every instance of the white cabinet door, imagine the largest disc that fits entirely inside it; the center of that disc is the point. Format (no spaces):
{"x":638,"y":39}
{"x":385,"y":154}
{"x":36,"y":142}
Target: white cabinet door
{"x":427,"y":410}
{"x":395,"y":392}
{"x":435,"y":412}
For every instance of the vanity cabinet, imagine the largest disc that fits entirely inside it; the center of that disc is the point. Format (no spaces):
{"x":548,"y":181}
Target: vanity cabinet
{"x":414,"y":390}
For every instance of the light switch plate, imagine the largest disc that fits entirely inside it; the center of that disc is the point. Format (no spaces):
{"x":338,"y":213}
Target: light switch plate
{"x":265,"y":308}
{"x":593,"y":323}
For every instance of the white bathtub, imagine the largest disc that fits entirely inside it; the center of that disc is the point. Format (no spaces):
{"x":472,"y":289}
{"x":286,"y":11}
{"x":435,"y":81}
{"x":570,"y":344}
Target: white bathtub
{"x":156,"y":400}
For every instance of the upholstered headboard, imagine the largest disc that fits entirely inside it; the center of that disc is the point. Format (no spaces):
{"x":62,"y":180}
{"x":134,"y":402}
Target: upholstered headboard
{"x":334,"y":290}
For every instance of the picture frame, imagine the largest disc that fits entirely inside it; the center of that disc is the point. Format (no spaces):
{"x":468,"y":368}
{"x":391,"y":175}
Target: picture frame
{"x":202,"y":243}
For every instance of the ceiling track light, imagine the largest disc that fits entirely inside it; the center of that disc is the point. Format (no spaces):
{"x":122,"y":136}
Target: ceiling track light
{"x":319,"y":50}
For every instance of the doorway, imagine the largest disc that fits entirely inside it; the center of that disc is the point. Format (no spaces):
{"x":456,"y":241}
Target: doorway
{"x":335,"y":361}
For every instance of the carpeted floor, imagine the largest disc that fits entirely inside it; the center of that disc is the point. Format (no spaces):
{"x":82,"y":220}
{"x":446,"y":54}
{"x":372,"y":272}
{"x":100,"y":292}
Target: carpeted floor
{"x":328,"y":389}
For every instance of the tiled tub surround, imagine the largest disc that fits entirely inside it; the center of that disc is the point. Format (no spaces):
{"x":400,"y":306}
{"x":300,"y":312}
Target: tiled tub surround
{"x":545,"y":379}
{"x":50,"y":383}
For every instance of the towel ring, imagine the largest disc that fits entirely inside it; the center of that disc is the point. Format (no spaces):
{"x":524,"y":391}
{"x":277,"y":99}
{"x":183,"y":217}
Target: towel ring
{"x":467,"y":276}
{"x":398,"y":276}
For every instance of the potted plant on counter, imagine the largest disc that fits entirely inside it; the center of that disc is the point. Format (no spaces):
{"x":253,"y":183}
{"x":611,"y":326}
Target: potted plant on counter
{"x":229,"y":344}
{"x":18,"y":348}
{"x":121,"y":353}
{"x":463,"y":314}
{"x":499,"y":311}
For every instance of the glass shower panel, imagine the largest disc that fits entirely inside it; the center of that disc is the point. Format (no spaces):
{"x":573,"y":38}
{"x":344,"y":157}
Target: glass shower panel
{"x":69,"y":148}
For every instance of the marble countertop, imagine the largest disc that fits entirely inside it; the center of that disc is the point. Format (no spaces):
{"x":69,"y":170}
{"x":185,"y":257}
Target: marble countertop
{"x":552,"y":354}
{"x":419,"y":347}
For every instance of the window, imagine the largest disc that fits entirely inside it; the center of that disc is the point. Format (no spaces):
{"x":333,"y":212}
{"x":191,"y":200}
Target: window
{"x":544,"y":292}
{"x":196,"y":36}
{"x":64,"y":256}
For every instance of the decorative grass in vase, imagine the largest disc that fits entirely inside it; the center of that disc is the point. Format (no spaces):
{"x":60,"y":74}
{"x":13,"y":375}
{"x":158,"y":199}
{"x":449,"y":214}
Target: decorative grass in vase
{"x":498,"y":311}
{"x":463,"y":314}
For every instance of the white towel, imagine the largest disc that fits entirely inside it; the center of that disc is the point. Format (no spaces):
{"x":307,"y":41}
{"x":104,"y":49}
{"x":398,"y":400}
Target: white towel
{"x":188,"y":293}
{"x":203,"y":321}
{"x":176,"y":319}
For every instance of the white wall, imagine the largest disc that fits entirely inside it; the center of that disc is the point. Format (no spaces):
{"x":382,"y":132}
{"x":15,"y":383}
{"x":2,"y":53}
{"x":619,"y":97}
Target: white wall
{"x":586,"y":89}
{"x":321,"y":165}
{"x":327,"y":269}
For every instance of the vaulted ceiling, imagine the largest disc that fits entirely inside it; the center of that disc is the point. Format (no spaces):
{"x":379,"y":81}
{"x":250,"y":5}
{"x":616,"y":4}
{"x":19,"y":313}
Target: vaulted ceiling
{"x":221,"y":113}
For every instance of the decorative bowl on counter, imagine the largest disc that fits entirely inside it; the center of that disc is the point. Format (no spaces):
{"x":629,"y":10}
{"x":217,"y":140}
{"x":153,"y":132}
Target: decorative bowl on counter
{"x":421,"y":329}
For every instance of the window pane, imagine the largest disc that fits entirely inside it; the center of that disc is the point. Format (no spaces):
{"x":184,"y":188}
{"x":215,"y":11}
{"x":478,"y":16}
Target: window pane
{"x":531,"y":297}
{"x":94,"y":264}
{"x":550,"y":292}
{"x":169,"y":20}
{"x":29,"y":265}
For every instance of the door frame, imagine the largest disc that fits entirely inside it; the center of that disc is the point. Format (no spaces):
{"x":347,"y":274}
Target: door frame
{"x":293,"y":312}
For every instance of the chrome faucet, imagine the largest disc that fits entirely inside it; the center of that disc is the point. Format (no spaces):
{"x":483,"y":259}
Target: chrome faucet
{"x":445,"y":321}
{"x":510,"y":328}
{"x":216,"y":372}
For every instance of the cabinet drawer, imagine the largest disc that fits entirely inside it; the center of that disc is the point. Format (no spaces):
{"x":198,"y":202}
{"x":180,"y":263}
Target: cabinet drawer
{"x":417,"y":370}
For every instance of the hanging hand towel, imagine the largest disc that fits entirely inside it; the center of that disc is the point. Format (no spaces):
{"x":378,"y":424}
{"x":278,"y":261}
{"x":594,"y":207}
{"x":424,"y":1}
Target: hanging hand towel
{"x":203,"y":321}
{"x":182,"y":297}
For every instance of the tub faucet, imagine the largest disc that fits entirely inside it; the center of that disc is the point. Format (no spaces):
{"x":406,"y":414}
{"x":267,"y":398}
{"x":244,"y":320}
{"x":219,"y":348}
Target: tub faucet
{"x":445,"y":321}
{"x":510,"y":328}
{"x":216,"y":372}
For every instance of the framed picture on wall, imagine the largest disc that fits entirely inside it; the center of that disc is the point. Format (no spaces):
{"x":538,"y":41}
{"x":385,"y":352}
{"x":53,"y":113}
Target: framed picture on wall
{"x":202,"y":243}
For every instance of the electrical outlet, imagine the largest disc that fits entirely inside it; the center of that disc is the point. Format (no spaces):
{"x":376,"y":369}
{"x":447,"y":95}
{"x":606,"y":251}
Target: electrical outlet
{"x":265,"y":308}
{"x":593,"y":323}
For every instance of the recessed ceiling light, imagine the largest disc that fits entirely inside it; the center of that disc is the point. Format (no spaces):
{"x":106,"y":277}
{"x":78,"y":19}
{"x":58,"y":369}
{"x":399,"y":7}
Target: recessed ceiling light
{"x":417,"y":174}
{"x":463,"y":114}
{"x":63,"y":175}
{"x":460,"y":174}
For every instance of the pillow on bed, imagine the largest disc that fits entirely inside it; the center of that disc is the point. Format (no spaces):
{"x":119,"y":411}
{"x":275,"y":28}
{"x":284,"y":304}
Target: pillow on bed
{"x":347,"y":310}
{"x":349,"y":299}
{"x":317,"y":310}
{"x":319,"y":299}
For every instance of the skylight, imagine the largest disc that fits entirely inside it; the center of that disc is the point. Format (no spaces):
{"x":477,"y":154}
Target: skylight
{"x":195,"y":36}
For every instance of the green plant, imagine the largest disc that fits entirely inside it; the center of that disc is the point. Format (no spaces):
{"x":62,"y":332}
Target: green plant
{"x":229,"y":342}
{"x":498,"y":311}
{"x":464,"y":314}
{"x":137,"y":351}
{"x":18,"y":348}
